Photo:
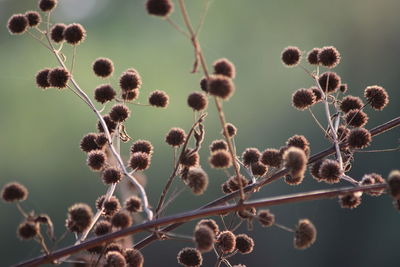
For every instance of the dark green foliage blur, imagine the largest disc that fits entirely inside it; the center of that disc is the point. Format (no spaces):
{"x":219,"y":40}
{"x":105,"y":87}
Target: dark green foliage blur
{"x":40,"y":130}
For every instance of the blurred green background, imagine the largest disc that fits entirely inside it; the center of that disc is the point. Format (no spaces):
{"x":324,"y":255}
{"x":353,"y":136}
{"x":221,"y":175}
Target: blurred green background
{"x":41,"y":130}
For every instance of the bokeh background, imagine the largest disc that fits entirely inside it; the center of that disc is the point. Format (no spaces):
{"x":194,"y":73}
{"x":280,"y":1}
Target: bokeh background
{"x":41,"y":130}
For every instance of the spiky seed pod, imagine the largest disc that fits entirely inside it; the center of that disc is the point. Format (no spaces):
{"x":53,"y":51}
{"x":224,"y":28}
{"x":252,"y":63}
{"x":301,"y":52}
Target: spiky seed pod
{"x":119,"y":113}
{"x":258,"y":169}
{"x":159,"y":99}
{"x":312,"y":56}
{"x":314,"y":170}
{"x":142,"y":146}
{"x":342,"y":133}
{"x":133,"y":257}
{"x":58,"y":77}
{"x":359,"y":138}
{"x":204,"y":238}
{"x":350,"y":200}
{"x":175,"y":137}
{"x":230,"y":129}
{"x":57,"y":32}
{"x":244,"y":244}
{"x":140,"y":161}
{"x":101,"y":140}
{"x":102,"y":227}
{"x":225,"y":188}
{"x":373,"y":178}
{"x":115,"y":258}
{"x":218,"y":144}
{"x":351,"y":102}
{"x":111,"y":175}
{"x":250,"y":155}
{"x":210,"y":223}
{"x":220,"y":159}
{"x":266,"y":218}
{"x":317,"y":93}
{"x":226,"y":241}
{"x":197,"y":101}
{"x":121,"y":219}
{"x":204,"y":84}
{"x":74,"y":33}
{"x":343,"y":88}
{"x":356,"y":118}
{"x":190,"y":158}
{"x":303,"y":98}
{"x":224,"y":67}
{"x":377,"y":97}
{"x":330,"y":171}
{"x":113,"y":247}
{"x":271,"y":157}
{"x":160,"y":8}
{"x":14,"y":192}
{"x":299,"y":141}
{"x":96,"y":160}
{"x":17,"y":24}
{"x":33,"y":17}
{"x":329,"y":82}
{"x":233,"y":182}
{"x":133,"y":204}
{"x":220,"y":86}
{"x":329,"y":57}
{"x":88,"y":143}
{"x":305,"y":234}
{"x":190,"y":257}
{"x":295,"y":160}
{"x":294,"y":180}
{"x":42,"y":78}
{"x":27,"y":230}
{"x":103,"y":67}
{"x":394,"y":184}
{"x":197,"y":180}
{"x":130,"y":95}
{"x":248,"y":213}
{"x":291,"y":56}
{"x":47,"y":5}
{"x":111,"y":125}
{"x":130,"y":80}
{"x":79,"y":217}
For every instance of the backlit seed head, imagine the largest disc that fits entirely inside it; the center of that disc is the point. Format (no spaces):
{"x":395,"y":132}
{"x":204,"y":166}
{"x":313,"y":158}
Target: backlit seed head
{"x":121,"y":219}
{"x":329,"y":57}
{"x":27,"y":230}
{"x":291,"y":56}
{"x":329,"y":82}
{"x":299,"y":141}
{"x":314,"y":170}
{"x":258,"y":169}
{"x":130,"y":80}
{"x":159,"y":99}
{"x":96,"y":160}
{"x":218,"y":144}
{"x":343,"y":88}
{"x":79,"y":217}
{"x":197,"y":101}
{"x":233,"y":182}
{"x":271,"y":157}
{"x":317,"y":93}
{"x":350,"y":200}
{"x":102,"y":227}
{"x":330,"y":171}
{"x":220,"y":159}
{"x":133,"y":204}
{"x":74,"y":34}
{"x":204,"y":84}
{"x":295,"y":160}
{"x":305,"y":234}
{"x":343,"y":133}
{"x":294,"y":180}
{"x":359,"y":138}
{"x":103,"y":67}
{"x":303,"y":98}
{"x":394,"y":184}
{"x":312,"y":56}
{"x":111,"y":206}
{"x":17,"y":24}
{"x":33,"y":17}
{"x":57,"y":32}
{"x":104,"y":93}
{"x":140,"y":161}
{"x":160,"y":8}
{"x":226,"y":241}
{"x":244,"y":244}
{"x":210,"y":224}
{"x":351,"y":102}
{"x":224,"y":67}
{"x":42,"y":78}
{"x":197,"y":180}
{"x":265,"y":218}
{"x":377,"y":97}
{"x":130,"y":95}
{"x":373,"y":178}
{"x":111,"y":175}
{"x":115,"y":258}
{"x":111,"y":125}
{"x":204,"y":238}
{"x":190,"y":257}
{"x":250,"y":155}
{"x":101,"y":140}
{"x":113,"y":247}
{"x":356,"y":118}
{"x":142,"y":146}
{"x":230,"y":129}
{"x":190,"y":158}
{"x":133,"y":257}
{"x":88,"y":143}
{"x":175,"y":137}
{"x":58,"y":77}
{"x":119,"y":113}
{"x":14,"y":192}
{"x":220,"y":86}
{"x":47,"y":5}
{"x":248,"y":213}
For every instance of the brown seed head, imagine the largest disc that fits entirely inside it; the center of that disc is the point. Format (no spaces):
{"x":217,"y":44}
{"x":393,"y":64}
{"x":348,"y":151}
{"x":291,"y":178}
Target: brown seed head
{"x":351,"y":102}
{"x":104,"y":93}
{"x":233,"y":182}
{"x":258,"y":169}
{"x":248,"y":213}
{"x":111,"y":206}
{"x":266,"y":218}
{"x":133,"y":204}
{"x":230,"y":129}
{"x":103,"y":67}
{"x":130,"y":95}
{"x":47,"y":5}
{"x":197,"y":180}
{"x":204,"y":238}
{"x":175,"y":137}
{"x":160,"y":8}
{"x":224,"y":67}
{"x":329,"y":81}
{"x":220,"y":159}
{"x":244,"y":244}
{"x":210,"y":223}
{"x":317,"y":93}
{"x":226,"y":241}
{"x":204,"y":84}
{"x":140,"y":161}
{"x":190,"y":257}
{"x":121,"y":219}
{"x":271,"y":157}
{"x":329,"y":57}
{"x":130,"y":80}
{"x":96,"y":160}
{"x":394,"y":184}
{"x":377,"y":97}
{"x":42,"y":78}
{"x":350,"y":200}
{"x":57,"y":32}
{"x":119,"y":113}
{"x":115,"y":258}
{"x":58,"y":77}
{"x":312,"y":56}
{"x":14,"y":192}
{"x":303,"y":98}
{"x":111,"y":125}
{"x":356,"y":118}
{"x":291,"y":56}
{"x":299,"y":141}
{"x":314,"y":170}
{"x":17,"y":24}
{"x":133,"y":257}
{"x":111,"y":175}
{"x":33,"y":17}
{"x":190,"y":158}
{"x":220,"y":86}
{"x":373,"y":178}
{"x":102,"y":227}
{"x":305,"y":234}
{"x":343,"y":88}
{"x":88,"y":143}
{"x":27,"y":230}
{"x":142,"y":146}
{"x":218,"y":144}
{"x":159,"y":99}
{"x":79,"y":217}
{"x":330,"y":171}
{"x":295,"y":160}
{"x":74,"y":34}
{"x":359,"y":138}
{"x":250,"y":155}
{"x":197,"y":101}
